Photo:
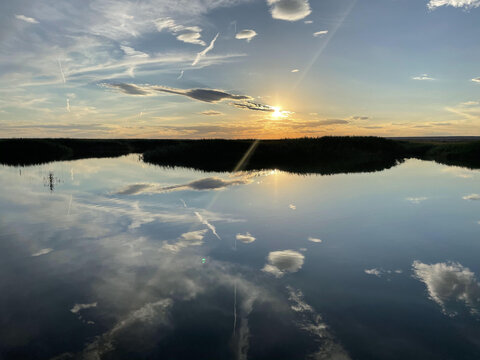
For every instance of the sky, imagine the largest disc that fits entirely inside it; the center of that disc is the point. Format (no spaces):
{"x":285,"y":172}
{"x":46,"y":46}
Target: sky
{"x":239,"y":68}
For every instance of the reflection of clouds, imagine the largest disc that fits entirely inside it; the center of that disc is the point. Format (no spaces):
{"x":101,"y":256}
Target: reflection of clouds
{"x":459,"y":172}
{"x":192,"y":238}
{"x":374,"y":271}
{"x":315,"y":240}
{"x":416,"y":200}
{"x":448,"y":283}
{"x":472,"y":197}
{"x":245,"y":238}
{"x":204,"y":221}
{"x":381,"y":272}
{"x":77,"y":307}
{"x":210,"y":183}
{"x":289,"y":10}
{"x":281,"y":262}
{"x":42,"y":252}
{"x":312,"y":322}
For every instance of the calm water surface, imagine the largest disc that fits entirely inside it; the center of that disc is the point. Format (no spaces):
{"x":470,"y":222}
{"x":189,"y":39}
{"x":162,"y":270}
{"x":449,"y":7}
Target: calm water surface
{"x":116,"y":259}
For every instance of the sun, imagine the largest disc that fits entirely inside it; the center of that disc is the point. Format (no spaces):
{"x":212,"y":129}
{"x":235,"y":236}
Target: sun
{"x":277,"y":113}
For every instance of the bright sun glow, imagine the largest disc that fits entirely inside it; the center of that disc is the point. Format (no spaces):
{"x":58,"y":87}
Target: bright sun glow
{"x":278,"y":113}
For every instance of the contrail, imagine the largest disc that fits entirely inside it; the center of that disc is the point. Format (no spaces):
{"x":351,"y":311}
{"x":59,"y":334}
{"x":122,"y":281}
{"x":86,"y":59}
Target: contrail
{"x":210,"y":226}
{"x":68,"y":104}
{"x":234,"y":307}
{"x":180,"y":76}
{"x":325,"y":43}
{"x":70,"y":205}
{"x":204,"y":52}
{"x":61,"y":72}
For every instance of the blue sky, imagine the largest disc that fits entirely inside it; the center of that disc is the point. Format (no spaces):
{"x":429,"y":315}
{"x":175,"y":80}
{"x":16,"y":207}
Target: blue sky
{"x":239,"y":68}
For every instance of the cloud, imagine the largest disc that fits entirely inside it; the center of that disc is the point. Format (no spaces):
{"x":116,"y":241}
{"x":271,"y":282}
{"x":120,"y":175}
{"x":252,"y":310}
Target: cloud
{"x":359,"y":117}
{"x":205,"y":95}
{"x":471,"y":197}
{"x":449,"y":283}
{"x":211,"y":113}
{"x":289,"y":10}
{"x":26,"y":19}
{"x":416,"y":200}
{"x":245,"y":238}
{"x":210,"y":183}
{"x":132,"y":52}
{"x":250,"y":105}
{"x":192,"y":238}
{"x":315,"y":240}
{"x":130,"y":89}
{"x":470,"y":103}
{"x":187,"y":34}
{"x":423,"y":77}
{"x":205,"y":222}
{"x":373,"y":271}
{"x":292,"y":207}
{"x":204,"y":52}
{"x":477,"y":80}
{"x":282,"y":262}
{"x":191,"y":38}
{"x":77,"y":307}
{"x":42,"y":252}
{"x":181,"y":75}
{"x":246,"y":34}
{"x":295,"y":70}
{"x":320,"y":33}
{"x":308,"y":22}
{"x":467,"y":4}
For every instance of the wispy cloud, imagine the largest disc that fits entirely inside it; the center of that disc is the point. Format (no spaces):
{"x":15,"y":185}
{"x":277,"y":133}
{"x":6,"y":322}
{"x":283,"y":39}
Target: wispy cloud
{"x":477,"y":80}
{"x":188,"y":34}
{"x":315,"y":240}
{"x":30,"y":20}
{"x":42,"y":252}
{"x":250,"y":105}
{"x":246,"y":34}
{"x":423,"y":77}
{"x":211,"y":113}
{"x":467,"y":4}
{"x":192,"y":238}
{"x":282,"y":262}
{"x":77,"y":307}
{"x":472,"y":197}
{"x":289,"y":10}
{"x":204,"y":52}
{"x":295,"y":70}
{"x":320,"y":33}
{"x":416,"y":200}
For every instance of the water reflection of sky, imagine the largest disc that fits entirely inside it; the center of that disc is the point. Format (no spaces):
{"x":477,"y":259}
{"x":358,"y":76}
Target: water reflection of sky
{"x":122,"y":260}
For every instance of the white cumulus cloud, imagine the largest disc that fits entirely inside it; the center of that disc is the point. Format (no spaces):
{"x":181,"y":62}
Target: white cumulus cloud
{"x":467,"y":4}
{"x":289,"y":10}
{"x":281,"y":262}
{"x":246,"y":34}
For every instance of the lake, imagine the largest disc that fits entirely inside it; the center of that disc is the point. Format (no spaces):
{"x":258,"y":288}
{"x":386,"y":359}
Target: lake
{"x":117,"y":259}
